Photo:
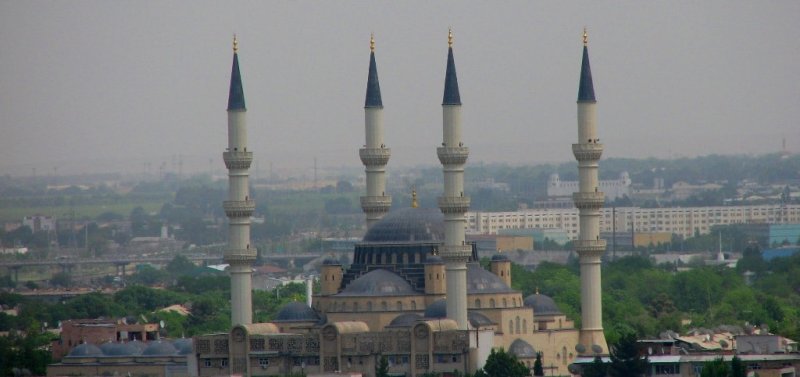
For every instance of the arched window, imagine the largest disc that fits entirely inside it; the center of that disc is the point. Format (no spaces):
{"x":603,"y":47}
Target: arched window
{"x":355,"y":306}
{"x":517,"y":324}
{"x":491,"y":303}
{"x":399,"y":305}
{"x":369,"y":306}
{"x":510,"y":326}
{"x":564,"y":355}
{"x":505,"y":302}
{"x":413,"y":305}
{"x":524,"y":326}
{"x":384,"y":307}
{"x":478,"y":303}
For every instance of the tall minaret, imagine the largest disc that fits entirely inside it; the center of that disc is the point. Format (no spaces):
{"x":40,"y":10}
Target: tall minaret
{"x":453,"y":204}
{"x":374,"y":155}
{"x":589,"y":200}
{"x":239,"y":207}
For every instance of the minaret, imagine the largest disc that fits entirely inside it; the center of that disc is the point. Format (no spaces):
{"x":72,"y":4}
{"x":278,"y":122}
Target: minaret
{"x":239,"y":207}
{"x":453,"y":204}
{"x":374,"y":155}
{"x":589,"y":200}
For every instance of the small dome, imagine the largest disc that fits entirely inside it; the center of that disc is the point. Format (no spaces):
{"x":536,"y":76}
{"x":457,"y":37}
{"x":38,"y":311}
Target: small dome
{"x":481,"y":281}
{"x":437,"y":309}
{"x":477,"y":319}
{"x":107,"y":346}
{"x":331,"y":262}
{"x":408,"y":225}
{"x":378,"y":282}
{"x":434,"y":259}
{"x":159,"y":348}
{"x":541,"y":304}
{"x":183,"y":345}
{"x":499,"y":257}
{"x":139,"y":345}
{"x":296,"y":312}
{"x":405,"y":320}
{"x":522,"y":349}
{"x":85,"y":350}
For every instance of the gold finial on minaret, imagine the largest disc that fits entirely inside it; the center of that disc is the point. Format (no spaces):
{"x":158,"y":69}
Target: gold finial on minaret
{"x":585,"y":37}
{"x":414,"y":203}
{"x":371,"y":42}
{"x":235,"y":44}
{"x":450,"y":37}
{"x":537,"y":290}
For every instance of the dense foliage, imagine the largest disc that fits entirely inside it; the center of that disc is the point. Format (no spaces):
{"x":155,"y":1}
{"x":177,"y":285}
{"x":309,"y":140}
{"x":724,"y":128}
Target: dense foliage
{"x":503,"y":364}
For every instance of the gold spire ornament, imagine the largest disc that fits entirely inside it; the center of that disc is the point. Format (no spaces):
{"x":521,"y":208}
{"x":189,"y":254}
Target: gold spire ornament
{"x":371,"y":42}
{"x":585,"y":37}
{"x":414,"y":203}
{"x":450,"y":37}
{"x":235,"y":44}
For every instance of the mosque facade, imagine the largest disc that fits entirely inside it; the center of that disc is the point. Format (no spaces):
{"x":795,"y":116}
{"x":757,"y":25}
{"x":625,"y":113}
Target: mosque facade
{"x":415,"y":292}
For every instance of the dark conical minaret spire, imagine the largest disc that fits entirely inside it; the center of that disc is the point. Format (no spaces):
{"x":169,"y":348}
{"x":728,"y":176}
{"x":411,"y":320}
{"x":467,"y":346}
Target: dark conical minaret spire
{"x":373,"y":86}
{"x":586,"y":88}
{"x":451,"y":95}
{"x":236,"y":94}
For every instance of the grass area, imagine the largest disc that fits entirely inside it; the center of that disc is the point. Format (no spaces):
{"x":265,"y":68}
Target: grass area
{"x":303,"y":201}
{"x":122,"y":207}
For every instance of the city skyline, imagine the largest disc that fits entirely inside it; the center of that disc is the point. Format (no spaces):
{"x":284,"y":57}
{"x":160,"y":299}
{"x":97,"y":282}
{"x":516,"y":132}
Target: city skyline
{"x":99,"y":87}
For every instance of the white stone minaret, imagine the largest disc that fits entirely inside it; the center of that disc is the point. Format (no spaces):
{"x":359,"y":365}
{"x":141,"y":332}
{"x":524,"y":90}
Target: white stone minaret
{"x":589,"y":200}
{"x":239,"y":207}
{"x":453,"y":204}
{"x":374,"y":155}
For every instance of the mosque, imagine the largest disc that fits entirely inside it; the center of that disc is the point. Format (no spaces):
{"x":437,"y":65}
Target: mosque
{"x":415,"y":292}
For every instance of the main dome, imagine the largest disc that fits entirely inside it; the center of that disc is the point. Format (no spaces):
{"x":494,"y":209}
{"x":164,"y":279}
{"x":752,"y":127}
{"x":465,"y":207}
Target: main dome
{"x":378,"y":283}
{"x":408,"y":225}
{"x":541,"y":304}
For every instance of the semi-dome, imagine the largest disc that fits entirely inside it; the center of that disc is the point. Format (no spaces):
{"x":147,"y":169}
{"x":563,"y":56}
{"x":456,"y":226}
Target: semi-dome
{"x":521,"y":349}
{"x":86,"y":350}
{"x":478,"y":319}
{"x":437,"y":309}
{"x":378,"y":282}
{"x":499,"y":257}
{"x":541,"y":304}
{"x":296,"y":312}
{"x":434,"y":259}
{"x":331,"y":262}
{"x":159,"y":348}
{"x":481,"y":281}
{"x":408,"y":225}
{"x":405,"y":320}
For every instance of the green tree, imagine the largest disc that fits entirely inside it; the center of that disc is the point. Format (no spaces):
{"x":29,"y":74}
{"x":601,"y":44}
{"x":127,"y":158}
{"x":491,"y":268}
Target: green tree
{"x":716,"y":368}
{"x":625,"y":359}
{"x":503,"y":364}
{"x":537,"y":365}
{"x":382,"y":369}
{"x":180,"y":265}
{"x":738,"y":369}
{"x":596,"y":369}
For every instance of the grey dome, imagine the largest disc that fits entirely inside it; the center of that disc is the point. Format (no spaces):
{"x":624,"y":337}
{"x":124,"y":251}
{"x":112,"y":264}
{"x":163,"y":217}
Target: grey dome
{"x":378,"y":283}
{"x":296,"y":312}
{"x":405,"y":320}
{"x":477,"y":319}
{"x":541,"y":304}
{"x":107,"y":347}
{"x":521,"y":348}
{"x":481,"y":281}
{"x":408,"y":225}
{"x":437,"y":309}
{"x":85,"y":350}
{"x":159,"y":348}
{"x":139,"y":345}
{"x":331,"y":262}
{"x":120,"y":349}
{"x":434,"y":259}
{"x":183,"y":345}
{"x":499,"y":257}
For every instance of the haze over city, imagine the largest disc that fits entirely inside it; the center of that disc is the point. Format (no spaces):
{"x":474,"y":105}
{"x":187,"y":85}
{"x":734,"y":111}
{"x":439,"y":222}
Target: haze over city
{"x":116,"y":86}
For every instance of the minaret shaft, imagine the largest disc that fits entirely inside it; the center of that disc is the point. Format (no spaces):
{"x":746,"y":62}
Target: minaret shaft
{"x":239,"y":206}
{"x":374,"y":155}
{"x":453,"y":203}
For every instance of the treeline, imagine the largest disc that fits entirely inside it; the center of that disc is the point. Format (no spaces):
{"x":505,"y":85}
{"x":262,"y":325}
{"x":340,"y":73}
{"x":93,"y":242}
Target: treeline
{"x":648,"y":300}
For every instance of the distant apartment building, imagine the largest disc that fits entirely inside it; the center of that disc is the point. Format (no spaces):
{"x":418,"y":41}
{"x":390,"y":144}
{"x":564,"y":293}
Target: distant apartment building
{"x":614,"y":189}
{"x":683,"y":221}
{"x":39,"y":223}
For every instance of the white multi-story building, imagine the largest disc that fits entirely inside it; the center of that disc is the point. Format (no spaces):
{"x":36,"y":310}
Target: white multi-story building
{"x":613,"y":189}
{"x":684,"y":221}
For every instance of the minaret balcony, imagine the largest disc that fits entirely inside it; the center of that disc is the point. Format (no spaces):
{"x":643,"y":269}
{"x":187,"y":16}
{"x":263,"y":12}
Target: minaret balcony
{"x":237,"y":160}
{"x":589,"y":200}
{"x":587,"y":151}
{"x":454,"y":204}
{"x":376,"y":204}
{"x":455,"y":253}
{"x":597,"y":246}
{"x":452,"y":155}
{"x":374,"y":156}
{"x":239,"y":208}
{"x":239,"y":256}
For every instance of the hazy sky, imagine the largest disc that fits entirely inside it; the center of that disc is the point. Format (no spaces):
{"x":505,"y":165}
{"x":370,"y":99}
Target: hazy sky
{"x":111,"y":85}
